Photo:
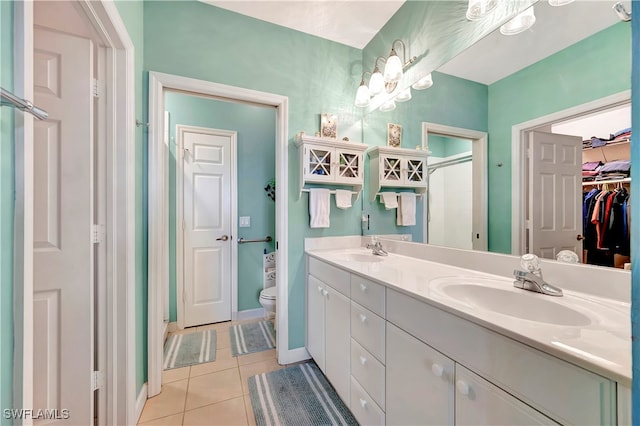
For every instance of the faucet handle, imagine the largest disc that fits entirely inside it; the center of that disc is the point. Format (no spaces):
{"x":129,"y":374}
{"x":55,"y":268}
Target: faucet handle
{"x":530,"y":262}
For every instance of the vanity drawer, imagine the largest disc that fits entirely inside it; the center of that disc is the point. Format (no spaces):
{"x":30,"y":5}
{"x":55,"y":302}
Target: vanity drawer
{"x":363,"y":407}
{"x":368,"y":371}
{"x":368,"y":294}
{"x":566,"y":393}
{"x":368,"y":329}
{"x":330,"y":275}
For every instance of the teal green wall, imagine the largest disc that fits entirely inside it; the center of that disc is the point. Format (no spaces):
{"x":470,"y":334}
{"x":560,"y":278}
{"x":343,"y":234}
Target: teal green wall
{"x":200,"y":41}
{"x":256,"y":133}
{"x":591,"y":69}
{"x":635,"y":212}
{"x":438,"y":104}
{"x":7,"y":186}
{"x":131,"y":12}
{"x":444,"y":146}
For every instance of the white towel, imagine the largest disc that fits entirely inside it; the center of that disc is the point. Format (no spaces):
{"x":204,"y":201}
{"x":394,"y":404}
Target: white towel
{"x":343,"y":199}
{"x":390,"y":200}
{"x":406,"y":209}
{"x":319,"y":206}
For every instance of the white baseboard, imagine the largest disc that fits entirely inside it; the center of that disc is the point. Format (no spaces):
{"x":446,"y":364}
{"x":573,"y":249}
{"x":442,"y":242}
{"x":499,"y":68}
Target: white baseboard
{"x":248,"y":314}
{"x":291,"y":356}
{"x":173,"y":327}
{"x":142,"y":398}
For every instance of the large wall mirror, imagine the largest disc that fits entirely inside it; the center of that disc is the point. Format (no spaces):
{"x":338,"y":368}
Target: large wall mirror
{"x":569,"y":74}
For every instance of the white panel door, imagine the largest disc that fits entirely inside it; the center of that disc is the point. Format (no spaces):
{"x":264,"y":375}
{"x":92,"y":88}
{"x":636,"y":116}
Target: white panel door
{"x":63,"y":212}
{"x":207,"y":225}
{"x":555,"y":194}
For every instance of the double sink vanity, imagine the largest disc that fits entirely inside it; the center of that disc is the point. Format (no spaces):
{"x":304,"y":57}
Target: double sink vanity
{"x":405,"y":339}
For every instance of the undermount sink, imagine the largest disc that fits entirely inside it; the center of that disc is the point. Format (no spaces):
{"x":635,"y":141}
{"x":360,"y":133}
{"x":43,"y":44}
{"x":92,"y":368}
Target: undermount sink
{"x":365,"y":258}
{"x":514,"y":303}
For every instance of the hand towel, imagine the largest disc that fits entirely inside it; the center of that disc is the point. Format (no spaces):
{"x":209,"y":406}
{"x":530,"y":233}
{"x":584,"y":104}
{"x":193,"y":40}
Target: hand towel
{"x":343,"y":199}
{"x":406,"y":209}
{"x":319,"y":207}
{"x":390,"y":200}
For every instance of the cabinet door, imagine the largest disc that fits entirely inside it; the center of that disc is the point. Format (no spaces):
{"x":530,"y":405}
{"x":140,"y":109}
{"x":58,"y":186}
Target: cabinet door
{"x":349,"y":165}
{"x":420,"y":388}
{"x":415,"y":170}
{"x":391,"y":169}
{"x":338,"y":341}
{"x":315,"y":320}
{"x":479,"y":402}
{"x":318,"y":163}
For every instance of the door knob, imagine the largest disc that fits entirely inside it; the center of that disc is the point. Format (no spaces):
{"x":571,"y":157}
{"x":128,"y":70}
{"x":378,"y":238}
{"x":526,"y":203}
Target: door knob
{"x":223,"y":238}
{"x":579,"y":237}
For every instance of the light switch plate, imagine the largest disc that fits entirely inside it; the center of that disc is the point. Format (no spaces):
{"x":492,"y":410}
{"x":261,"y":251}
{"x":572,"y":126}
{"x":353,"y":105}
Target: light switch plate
{"x":245,"y":221}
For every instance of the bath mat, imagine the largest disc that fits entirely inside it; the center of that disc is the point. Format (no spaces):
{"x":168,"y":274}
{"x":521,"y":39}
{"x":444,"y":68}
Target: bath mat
{"x":298,"y":395}
{"x":252,"y":337}
{"x":182,"y":350}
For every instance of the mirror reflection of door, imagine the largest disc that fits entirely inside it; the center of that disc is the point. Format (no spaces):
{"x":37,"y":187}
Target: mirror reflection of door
{"x":602,"y":202}
{"x":450,"y":196}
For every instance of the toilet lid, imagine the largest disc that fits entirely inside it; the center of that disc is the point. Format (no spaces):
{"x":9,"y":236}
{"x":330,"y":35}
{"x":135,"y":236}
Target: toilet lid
{"x":268,"y":293}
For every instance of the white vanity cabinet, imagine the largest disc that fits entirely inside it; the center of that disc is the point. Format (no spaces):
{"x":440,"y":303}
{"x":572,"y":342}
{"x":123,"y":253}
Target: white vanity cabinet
{"x":331,"y":162}
{"x":397,"y":168}
{"x":328,"y":316}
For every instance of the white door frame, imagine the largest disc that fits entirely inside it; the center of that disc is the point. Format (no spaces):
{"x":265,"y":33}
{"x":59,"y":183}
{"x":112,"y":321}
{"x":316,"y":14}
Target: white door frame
{"x":159,"y":207}
{"x":519,"y":158}
{"x":180,"y":130}
{"x":119,"y":128}
{"x":480,"y":178}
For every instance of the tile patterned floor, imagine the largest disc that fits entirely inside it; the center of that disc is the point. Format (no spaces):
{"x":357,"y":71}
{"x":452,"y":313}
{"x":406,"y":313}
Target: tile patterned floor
{"x":214,"y":393}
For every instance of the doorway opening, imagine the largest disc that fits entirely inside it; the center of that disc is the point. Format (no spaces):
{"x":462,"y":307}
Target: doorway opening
{"x":600,"y":120}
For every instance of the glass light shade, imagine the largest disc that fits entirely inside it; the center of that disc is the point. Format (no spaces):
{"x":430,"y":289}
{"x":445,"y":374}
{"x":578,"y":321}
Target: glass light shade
{"x":424,"y":83}
{"x":376,"y":83}
{"x":404,"y":95}
{"x":560,"y":2}
{"x":478,"y":9}
{"x":390,"y":105}
{"x":393,"y":68}
{"x":362,"y":96}
{"x":522,"y":22}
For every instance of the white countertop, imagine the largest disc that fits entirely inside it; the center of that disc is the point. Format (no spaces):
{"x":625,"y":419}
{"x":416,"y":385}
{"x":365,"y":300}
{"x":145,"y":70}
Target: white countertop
{"x":601,"y":342}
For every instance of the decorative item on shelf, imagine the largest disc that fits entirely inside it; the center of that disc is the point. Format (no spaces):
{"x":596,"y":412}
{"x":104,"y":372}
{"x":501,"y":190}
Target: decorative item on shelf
{"x":271,"y":189}
{"x":317,"y":134}
{"x":346,"y":139}
{"x":394,"y":135}
{"x":328,"y":125}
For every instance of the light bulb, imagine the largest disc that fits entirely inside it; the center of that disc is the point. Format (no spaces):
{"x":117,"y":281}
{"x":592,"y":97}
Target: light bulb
{"x":424,"y":83}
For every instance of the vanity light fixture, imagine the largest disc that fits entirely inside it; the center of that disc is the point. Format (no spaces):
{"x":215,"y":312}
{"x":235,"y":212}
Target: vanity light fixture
{"x":390,"y":105}
{"x":560,"y":2}
{"x":478,"y":9}
{"x":424,"y":83}
{"x":521,"y":22}
{"x":376,"y":81}
{"x":622,"y":13}
{"x":363,"y":95}
{"x":404,"y":95}
{"x":393,"y":68}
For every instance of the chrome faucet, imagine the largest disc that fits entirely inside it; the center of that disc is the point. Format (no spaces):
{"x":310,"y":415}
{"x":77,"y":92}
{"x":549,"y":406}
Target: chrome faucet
{"x":531,"y":279}
{"x":376,"y":247}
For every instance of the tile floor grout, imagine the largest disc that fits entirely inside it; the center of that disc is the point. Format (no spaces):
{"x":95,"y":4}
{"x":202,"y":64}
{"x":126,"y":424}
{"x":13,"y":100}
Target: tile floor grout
{"x":217,"y":405}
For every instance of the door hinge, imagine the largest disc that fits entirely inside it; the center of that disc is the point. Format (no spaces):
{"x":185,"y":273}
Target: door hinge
{"x":97,"y":234}
{"x":97,"y":380}
{"x":96,"y":88}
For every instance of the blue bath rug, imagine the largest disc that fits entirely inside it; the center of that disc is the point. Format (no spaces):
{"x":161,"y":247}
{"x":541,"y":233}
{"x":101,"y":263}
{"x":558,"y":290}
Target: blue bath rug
{"x":182,"y":350}
{"x":252,"y":337}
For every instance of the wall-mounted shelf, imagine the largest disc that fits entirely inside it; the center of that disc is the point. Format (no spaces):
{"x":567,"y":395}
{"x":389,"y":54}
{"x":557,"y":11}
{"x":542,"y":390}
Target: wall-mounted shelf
{"x":331,"y":162}
{"x":397,"y":168}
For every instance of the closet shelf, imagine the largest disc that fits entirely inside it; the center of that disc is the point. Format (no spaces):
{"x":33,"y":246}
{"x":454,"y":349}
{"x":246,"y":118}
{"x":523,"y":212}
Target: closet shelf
{"x":608,"y":144}
{"x":602,"y":182}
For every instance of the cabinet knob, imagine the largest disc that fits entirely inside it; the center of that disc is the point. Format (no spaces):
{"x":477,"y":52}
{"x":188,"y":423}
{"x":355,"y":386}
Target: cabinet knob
{"x":363,"y":318}
{"x":363,"y":360}
{"x":463,"y":387}
{"x":363,"y":288}
{"x":437,"y":370}
{"x":324,"y":293}
{"x":319,"y":289}
{"x":363,"y":403}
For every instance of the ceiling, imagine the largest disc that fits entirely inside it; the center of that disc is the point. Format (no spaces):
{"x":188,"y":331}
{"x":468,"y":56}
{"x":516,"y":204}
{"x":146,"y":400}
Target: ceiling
{"x":350,"y":22}
{"x":355,"y":23}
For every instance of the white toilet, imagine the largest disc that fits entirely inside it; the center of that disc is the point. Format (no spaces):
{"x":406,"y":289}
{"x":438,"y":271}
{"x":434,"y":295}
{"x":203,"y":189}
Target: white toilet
{"x":268,"y":302}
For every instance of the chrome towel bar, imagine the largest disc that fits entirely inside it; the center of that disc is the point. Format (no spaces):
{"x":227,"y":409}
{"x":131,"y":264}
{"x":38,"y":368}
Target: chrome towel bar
{"x":267,"y":239}
{"x":9,"y":99}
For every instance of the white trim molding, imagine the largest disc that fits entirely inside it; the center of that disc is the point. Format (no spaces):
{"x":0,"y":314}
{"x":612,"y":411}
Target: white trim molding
{"x":159,"y":207}
{"x":519,"y":158}
{"x":179,"y":162}
{"x":140,"y":401}
{"x":480,"y":179}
